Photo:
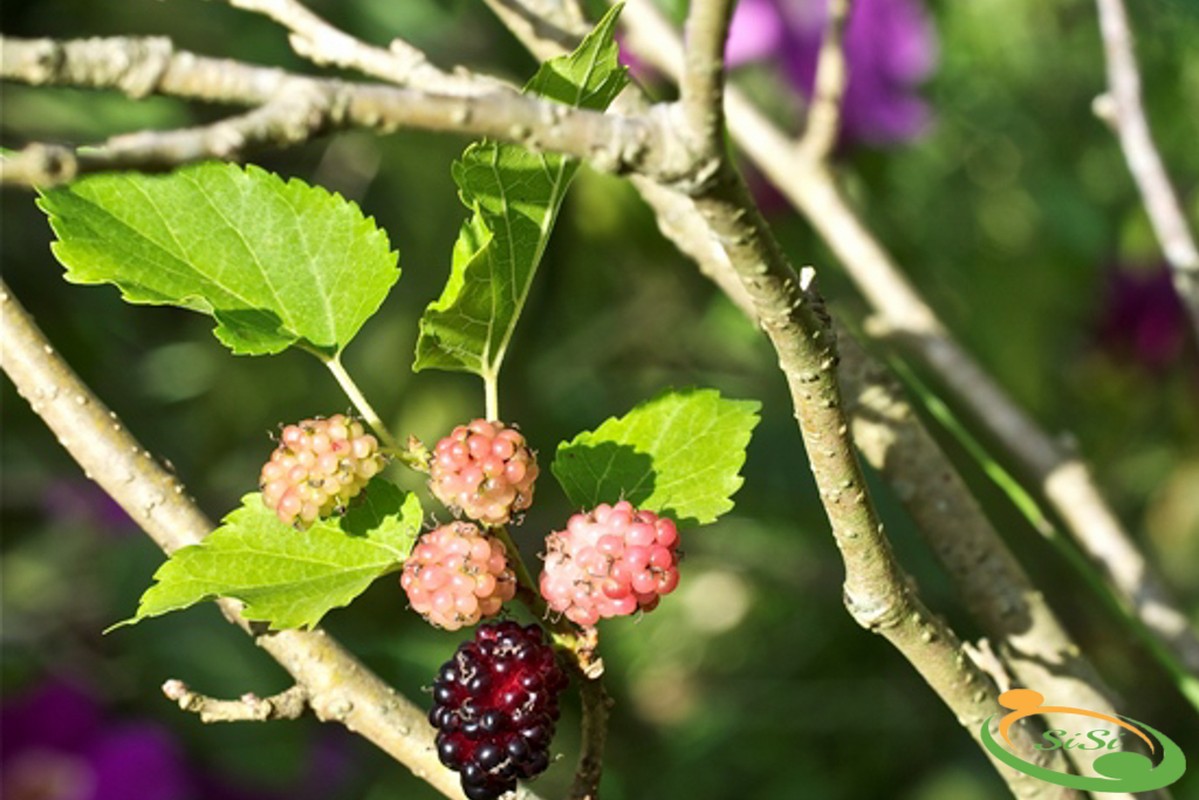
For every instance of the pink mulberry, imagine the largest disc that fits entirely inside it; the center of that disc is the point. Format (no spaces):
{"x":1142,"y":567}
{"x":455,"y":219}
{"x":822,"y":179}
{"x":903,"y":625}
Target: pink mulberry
{"x":456,"y":576}
{"x":319,"y":465}
{"x":485,"y":470}
{"x":609,"y":563}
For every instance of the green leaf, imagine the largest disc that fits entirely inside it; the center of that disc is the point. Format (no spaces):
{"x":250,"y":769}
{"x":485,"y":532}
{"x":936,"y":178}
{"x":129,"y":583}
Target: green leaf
{"x":515,"y":196}
{"x":274,"y":263}
{"x":678,"y":454}
{"x":286,"y":577}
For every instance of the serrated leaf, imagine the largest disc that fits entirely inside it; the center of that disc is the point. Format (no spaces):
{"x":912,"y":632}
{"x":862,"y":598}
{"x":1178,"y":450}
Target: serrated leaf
{"x":678,"y":454}
{"x":274,"y":263}
{"x":286,"y":577}
{"x":515,"y":196}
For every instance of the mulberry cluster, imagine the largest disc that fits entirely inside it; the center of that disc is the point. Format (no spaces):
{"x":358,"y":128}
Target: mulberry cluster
{"x":319,"y":465}
{"x":456,"y":575}
{"x":609,"y":563}
{"x":495,"y":708}
{"x":485,"y":470}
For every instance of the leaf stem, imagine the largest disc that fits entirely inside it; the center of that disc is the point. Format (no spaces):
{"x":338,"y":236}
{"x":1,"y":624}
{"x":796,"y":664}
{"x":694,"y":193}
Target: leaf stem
{"x":491,"y":396}
{"x":360,"y":402}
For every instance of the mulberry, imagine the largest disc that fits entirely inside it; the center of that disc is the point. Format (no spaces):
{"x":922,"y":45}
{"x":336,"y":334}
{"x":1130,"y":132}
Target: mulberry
{"x":485,"y":470}
{"x":456,"y":575}
{"x":609,"y":563}
{"x":319,"y":465}
{"x":496,"y":706}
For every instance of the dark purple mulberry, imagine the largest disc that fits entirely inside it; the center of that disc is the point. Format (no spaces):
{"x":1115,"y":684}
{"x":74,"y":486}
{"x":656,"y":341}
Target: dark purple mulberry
{"x":495,"y":707}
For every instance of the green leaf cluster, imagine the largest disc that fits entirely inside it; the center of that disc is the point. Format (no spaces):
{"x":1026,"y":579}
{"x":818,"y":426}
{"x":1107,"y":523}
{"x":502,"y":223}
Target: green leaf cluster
{"x":280,"y":263}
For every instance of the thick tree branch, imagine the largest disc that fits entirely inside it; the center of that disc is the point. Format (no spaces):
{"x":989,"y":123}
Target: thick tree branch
{"x":1121,"y":108}
{"x":906,"y":319}
{"x":288,"y":704}
{"x":832,"y":78}
{"x":1031,"y":643}
{"x":338,"y":687}
{"x":144,"y":66}
{"x":878,"y":594}
{"x":892,"y":438}
{"x":1037,"y":651}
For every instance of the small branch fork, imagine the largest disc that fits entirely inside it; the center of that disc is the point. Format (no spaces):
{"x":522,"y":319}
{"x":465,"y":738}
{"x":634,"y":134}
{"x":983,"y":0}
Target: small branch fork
{"x":288,"y":704}
{"x":1121,"y":108}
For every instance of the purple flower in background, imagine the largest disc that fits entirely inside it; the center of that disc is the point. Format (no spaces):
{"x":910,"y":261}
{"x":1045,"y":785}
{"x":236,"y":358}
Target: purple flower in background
{"x":756,"y":32}
{"x":1143,"y":317}
{"x":890,"y":45}
{"x":55,"y":745}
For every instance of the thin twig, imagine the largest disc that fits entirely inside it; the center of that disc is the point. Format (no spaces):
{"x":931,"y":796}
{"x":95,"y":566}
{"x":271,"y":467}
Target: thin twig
{"x":545,"y":27}
{"x":823,"y":122}
{"x":596,"y":705}
{"x":347,"y":384}
{"x":339,"y":687}
{"x":402,"y":64}
{"x":905,"y":318}
{"x":144,"y":66}
{"x":288,"y":704}
{"x":295,"y":115}
{"x":1121,"y":108}
{"x":701,"y":86}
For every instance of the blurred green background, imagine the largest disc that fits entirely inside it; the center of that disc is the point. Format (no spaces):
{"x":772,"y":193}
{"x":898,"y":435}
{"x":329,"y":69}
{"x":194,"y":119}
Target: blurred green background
{"x":752,"y":681}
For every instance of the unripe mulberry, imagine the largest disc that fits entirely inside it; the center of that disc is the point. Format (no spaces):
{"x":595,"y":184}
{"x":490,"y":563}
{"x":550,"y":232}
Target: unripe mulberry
{"x":485,"y":470}
{"x":456,"y":575}
{"x":609,"y":563}
{"x":495,"y":708}
{"x":318,"y":467}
